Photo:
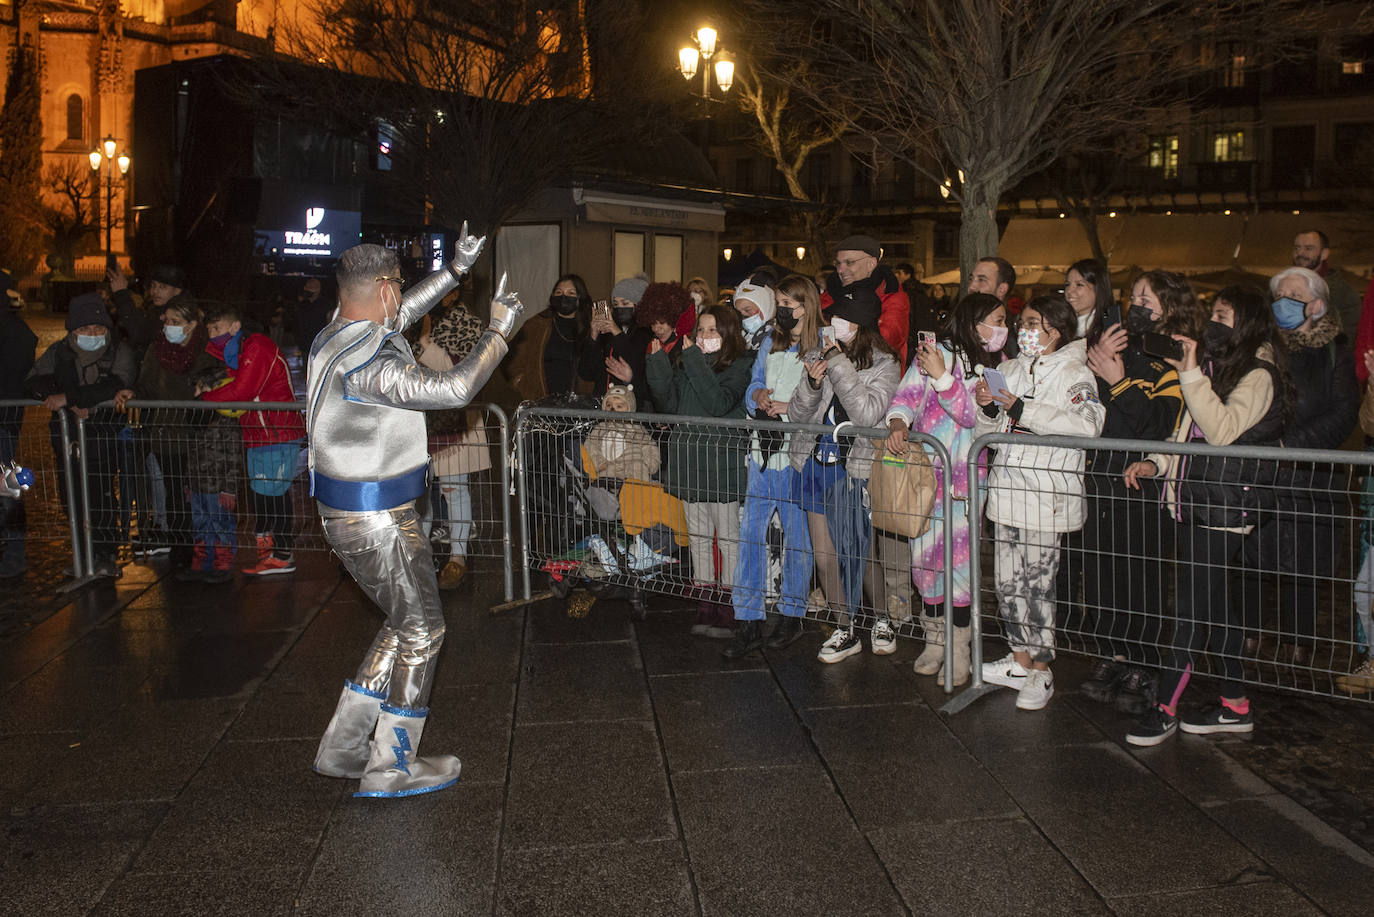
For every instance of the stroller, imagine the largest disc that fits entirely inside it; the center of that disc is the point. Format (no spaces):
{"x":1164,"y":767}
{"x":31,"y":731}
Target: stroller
{"x":611,"y":536}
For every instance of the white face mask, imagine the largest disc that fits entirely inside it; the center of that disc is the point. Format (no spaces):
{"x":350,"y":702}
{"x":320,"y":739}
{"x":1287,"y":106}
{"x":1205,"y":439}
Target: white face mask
{"x":844,"y":330}
{"x":390,"y":316}
{"x":175,"y":334}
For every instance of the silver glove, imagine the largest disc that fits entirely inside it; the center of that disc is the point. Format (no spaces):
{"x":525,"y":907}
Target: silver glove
{"x":469,"y":247}
{"x":507,"y":312}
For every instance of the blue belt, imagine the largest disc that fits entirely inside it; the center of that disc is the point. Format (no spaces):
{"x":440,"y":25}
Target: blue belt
{"x":369,"y":496}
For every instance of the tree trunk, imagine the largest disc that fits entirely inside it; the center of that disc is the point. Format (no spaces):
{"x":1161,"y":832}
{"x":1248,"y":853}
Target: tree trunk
{"x":978,"y":230}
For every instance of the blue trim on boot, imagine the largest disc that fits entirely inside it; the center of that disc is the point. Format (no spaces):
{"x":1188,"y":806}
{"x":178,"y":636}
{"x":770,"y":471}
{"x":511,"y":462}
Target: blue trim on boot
{"x":415,"y":792}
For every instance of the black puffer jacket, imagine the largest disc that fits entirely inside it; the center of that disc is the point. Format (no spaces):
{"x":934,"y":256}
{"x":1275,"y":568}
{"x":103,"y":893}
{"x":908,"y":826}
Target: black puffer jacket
{"x":1328,"y":404}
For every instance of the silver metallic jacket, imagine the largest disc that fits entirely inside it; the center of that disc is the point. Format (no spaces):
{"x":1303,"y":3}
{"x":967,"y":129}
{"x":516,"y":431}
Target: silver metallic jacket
{"x":368,"y":448}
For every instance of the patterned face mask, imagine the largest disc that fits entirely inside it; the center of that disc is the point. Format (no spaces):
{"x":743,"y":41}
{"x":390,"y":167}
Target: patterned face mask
{"x":1028,"y":339}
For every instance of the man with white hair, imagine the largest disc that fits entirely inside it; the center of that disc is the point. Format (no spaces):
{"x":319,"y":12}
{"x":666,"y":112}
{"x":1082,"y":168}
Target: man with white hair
{"x":368,"y":464}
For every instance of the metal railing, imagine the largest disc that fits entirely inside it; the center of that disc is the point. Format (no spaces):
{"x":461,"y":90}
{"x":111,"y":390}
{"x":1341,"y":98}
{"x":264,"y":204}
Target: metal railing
{"x":138,"y":473}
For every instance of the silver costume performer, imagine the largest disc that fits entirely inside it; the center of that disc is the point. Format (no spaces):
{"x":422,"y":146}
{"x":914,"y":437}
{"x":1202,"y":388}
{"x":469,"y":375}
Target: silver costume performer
{"x":368,"y":464}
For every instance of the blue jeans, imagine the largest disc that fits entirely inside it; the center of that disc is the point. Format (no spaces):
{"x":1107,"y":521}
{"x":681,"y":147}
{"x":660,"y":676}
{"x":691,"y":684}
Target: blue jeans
{"x":771,"y":490}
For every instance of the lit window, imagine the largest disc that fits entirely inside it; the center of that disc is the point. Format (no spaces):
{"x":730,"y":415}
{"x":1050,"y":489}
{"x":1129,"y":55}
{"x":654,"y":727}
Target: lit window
{"x":1228,"y":146}
{"x":1352,"y":67}
{"x":1163,"y":154}
{"x":1234,"y":77}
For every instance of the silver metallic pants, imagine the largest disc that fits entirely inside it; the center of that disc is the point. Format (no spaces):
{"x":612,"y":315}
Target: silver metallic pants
{"x":389,"y":556}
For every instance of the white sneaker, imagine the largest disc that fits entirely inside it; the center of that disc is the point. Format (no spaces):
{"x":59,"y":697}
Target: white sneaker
{"x":882,"y":638}
{"x":841,"y":645}
{"x":1037,"y":690}
{"x":1006,"y":672}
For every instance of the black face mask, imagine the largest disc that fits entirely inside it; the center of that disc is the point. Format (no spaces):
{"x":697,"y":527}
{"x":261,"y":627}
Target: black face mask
{"x":1139,"y":320}
{"x":623,"y":316}
{"x":563,"y":305}
{"x":785,"y":320}
{"x":1215,"y":337}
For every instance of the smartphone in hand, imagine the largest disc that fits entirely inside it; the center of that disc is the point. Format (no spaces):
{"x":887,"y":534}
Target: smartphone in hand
{"x":996,"y":381}
{"x":827,"y":337}
{"x":1161,"y":345}
{"x":1111,"y":315}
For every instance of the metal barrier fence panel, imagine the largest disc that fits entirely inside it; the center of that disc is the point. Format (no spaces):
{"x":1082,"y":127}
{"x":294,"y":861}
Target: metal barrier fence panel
{"x":709,"y":510}
{"x":159,"y":477}
{"x":1268,"y":582}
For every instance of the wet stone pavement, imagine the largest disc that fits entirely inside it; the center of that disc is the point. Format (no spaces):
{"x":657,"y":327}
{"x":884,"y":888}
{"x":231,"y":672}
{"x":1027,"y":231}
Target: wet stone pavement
{"x":156,"y":741}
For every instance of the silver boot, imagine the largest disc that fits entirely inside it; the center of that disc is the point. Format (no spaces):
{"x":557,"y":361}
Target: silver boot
{"x":933,"y":656}
{"x":343,"y":750}
{"x":393,"y":768}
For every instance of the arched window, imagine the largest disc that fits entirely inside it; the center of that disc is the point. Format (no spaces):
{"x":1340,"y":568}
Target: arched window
{"x":76,"y":121}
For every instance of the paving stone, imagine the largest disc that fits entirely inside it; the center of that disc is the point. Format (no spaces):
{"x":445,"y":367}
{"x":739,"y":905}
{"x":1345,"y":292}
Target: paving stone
{"x":778,"y":840}
{"x":573,"y":783}
{"x":342,"y":627}
{"x":473,"y":722}
{"x":1253,"y":899}
{"x":217,"y":665}
{"x":479,"y":648}
{"x":436,"y":855}
{"x":668,"y":647}
{"x":65,"y":697}
{"x":995,"y":866}
{"x":727,"y":719}
{"x":927,"y":774}
{"x":60,"y":860}
{"x":639,"y":878}
{"x":201,"y":894}
{"x":860,"y":679}
{"x":142,"y":752}
{"x":992,"y":726}
{"x":593,"y":681}
{"x":1122,"y":828}
{"x":27,"y":760}
{"x":1318,"y":860}
{"x":549,"y":623}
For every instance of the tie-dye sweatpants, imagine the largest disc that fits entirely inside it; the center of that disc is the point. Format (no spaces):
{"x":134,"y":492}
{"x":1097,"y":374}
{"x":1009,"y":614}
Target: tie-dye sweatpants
{"x":1026,"y":563}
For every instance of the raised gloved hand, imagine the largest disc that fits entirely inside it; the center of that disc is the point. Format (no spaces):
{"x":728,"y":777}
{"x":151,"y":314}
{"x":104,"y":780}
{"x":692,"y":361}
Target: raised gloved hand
{"x":469,"y":247}
{"x":507,"y":312}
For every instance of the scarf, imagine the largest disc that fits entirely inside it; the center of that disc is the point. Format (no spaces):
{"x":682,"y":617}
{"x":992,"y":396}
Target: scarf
{"x":882,"y":281}
{"x":177,"y":358}
{"x":1323,"y":331}
{"x":457,"y":332}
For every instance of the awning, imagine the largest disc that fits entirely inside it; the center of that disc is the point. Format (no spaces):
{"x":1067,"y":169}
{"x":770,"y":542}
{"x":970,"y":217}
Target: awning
{"x":633,"y":210}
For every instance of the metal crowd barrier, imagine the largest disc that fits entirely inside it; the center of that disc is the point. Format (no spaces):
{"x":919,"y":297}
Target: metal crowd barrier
{"x":631,"y":533}
{"x":137,"y":475}
{"x":1294,"y":582}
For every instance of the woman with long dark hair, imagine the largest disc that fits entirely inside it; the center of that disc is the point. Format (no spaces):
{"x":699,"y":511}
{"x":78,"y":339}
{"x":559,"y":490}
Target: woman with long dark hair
{"x":850,"y":380}
{"x":1088,"y":288}
{"x":1238,"y":391}
{"x":545,"y":354}
{"x":1126,"y":536}
{"x":936,"y":396}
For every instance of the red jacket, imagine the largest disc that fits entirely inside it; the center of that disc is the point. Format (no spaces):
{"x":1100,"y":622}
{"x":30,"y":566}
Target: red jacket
{"x":895,"y":321}
{"x":1364,"y":336}
{"x":261,"y":376}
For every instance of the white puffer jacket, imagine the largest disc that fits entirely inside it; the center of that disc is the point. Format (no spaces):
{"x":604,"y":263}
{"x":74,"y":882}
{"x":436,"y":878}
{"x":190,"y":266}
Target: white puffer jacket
{"x":1041,"y":487}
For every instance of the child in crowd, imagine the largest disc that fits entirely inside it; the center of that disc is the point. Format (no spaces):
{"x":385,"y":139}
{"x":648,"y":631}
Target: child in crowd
{"x":705,"y":465}
{"x":1036,"y":492}
{"x":620,"y":450}
{"x":272,"y":440}
{"x":216,"y":465}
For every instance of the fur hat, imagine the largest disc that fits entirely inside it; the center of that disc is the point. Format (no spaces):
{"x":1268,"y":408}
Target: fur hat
{"x":88,"y":309}
{"x":858,"y":304}
{"x":631,"y":288}
{"x":859,"y":243}
{"x":623,"y":392}
{"x":760,"y":296}
{"x":662,"y":302}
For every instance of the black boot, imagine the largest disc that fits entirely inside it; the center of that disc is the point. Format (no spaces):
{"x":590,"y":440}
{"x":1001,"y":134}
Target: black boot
{"x":748,"y":638}
{"x":788,"y":630}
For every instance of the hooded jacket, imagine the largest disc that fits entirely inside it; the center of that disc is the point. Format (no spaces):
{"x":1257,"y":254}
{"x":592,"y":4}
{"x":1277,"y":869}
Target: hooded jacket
{"x":1041,"y":487}
{"x":261,"y":375}
{"x":896,"y":314}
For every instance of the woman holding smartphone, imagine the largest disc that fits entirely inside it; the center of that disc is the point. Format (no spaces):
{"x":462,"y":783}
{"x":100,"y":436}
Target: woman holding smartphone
{"x":852,"y":379}
{"x":1127,"y":537}
{"x":936,"y":396}
{"x":1239,"y":392}
{"x":1035,"y":493}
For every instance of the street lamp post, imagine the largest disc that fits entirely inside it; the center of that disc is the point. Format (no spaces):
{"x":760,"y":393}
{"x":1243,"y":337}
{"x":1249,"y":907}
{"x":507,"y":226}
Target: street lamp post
{"x":699,"y":55}
{"x":108,"y":146}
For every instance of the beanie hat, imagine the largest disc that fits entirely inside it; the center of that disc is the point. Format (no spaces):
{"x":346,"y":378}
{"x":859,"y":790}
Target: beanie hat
{"x":631,"y":288}
{"x":88,"y":309}
{"x":624,"y":392}
{"x":662,"y":302}
{"x":858,"y":304}
{"x":866,"y":244}
{"x":760,"y":296}
{"x":169,"y":274}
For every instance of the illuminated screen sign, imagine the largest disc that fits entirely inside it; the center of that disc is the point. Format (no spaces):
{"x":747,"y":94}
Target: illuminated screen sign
{"x":321,"y":234}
